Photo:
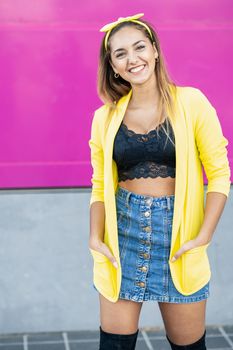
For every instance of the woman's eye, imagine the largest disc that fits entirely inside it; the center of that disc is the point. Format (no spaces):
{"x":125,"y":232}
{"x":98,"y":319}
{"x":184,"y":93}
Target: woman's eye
{"x":123,"y":53}
{"x":140,"y":47}
{"x":119,"y":55}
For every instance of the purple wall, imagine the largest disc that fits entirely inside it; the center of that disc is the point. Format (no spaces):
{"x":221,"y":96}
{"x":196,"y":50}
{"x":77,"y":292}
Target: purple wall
{"x":48,"y":62}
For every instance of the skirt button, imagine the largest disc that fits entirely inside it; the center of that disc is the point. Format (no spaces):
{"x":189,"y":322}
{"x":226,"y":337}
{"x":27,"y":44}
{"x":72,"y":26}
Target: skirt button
{"x":145,"y":255}
{"x":144,"y":268}
{"x":147,"y":213}
{"x":141,"y":284}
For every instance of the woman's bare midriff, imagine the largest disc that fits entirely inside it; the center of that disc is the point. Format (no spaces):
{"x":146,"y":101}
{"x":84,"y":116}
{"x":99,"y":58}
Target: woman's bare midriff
{"x":156,"y":187}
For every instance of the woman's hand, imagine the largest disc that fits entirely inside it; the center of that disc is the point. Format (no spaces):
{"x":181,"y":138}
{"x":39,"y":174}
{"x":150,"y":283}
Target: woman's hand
{"x":193,"y":243}
{"x":102,"y":248}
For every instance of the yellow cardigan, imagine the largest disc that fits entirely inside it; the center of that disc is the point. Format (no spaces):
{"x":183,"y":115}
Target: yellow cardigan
{"x":199,"y":141}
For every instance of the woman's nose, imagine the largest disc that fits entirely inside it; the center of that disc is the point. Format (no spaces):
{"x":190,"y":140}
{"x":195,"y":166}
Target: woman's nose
{"x":132,"y":58}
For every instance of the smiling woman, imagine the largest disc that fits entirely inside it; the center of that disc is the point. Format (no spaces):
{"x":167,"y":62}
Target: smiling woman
{"x":148,"y":144}
{"x":135,"y":58}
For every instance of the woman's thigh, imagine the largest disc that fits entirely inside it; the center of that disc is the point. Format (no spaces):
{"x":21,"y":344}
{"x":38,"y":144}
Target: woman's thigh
{"x":121,"y":317}
{"x":184,"y":323}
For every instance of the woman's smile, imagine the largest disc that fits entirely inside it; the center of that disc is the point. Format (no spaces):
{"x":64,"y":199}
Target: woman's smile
{"x":138,"y":69}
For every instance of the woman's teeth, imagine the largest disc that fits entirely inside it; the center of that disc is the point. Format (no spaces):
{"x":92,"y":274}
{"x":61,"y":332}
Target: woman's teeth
{"x":136,"y":69}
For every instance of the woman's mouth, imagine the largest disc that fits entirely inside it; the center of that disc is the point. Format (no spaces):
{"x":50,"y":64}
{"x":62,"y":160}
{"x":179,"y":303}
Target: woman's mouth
{"x":137,"y":70}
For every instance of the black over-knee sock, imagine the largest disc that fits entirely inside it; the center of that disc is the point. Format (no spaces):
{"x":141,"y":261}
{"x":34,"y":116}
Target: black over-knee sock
{"x":198,"y":345}
{"x":117,"y":341}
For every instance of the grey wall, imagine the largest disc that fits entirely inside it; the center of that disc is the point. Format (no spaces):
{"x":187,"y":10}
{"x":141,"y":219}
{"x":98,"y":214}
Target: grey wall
{"x":46,"y":268}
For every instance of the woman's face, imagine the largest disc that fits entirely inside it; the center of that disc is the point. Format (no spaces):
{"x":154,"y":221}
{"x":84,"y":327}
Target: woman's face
{"x":132,"y":55}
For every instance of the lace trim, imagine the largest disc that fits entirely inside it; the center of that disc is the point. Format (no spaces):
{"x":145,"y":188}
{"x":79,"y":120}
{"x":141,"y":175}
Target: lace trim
{"x":145,"y":170}
{"x":141,"y":137}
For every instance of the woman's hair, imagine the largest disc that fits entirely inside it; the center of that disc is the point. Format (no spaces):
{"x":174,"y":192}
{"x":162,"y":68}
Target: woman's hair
{"x":110,"y":89}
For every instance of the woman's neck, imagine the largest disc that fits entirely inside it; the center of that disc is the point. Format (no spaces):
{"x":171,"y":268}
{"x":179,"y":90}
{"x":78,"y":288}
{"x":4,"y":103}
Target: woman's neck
{"x":145,"y":95}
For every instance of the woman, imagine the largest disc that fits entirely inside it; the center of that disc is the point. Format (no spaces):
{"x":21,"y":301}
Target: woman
{"x":148,"y":227}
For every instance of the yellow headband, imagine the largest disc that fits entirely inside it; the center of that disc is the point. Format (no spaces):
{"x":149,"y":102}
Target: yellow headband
{"x":108,"y":27}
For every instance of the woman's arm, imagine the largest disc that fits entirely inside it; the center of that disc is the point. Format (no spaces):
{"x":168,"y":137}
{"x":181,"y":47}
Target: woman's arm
{"x":96,"y":239}
{"x":215,"y":203}
{"x":97,"y":209}
{"x":97,"y":219}
{"x":97,"y":162}
{"x":211,"y":145}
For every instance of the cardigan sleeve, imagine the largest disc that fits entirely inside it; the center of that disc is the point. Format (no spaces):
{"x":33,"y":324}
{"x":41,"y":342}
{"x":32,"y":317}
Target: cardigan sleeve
{"x":211,"y":145}
{"x":97,"y":162}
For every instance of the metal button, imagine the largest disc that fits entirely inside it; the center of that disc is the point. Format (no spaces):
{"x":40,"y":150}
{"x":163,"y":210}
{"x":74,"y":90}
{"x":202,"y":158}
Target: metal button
{"x":147,"y":213}
{"x":145,"y":255}
{"x":143,"y":241}
{"x":147,"y":229}
{"x":144,"y":268}
{"x":149,"y":201}
{"x":141,"y":284}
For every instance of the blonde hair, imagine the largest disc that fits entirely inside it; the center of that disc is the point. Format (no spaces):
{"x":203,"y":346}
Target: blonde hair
{"x":110,"y":89}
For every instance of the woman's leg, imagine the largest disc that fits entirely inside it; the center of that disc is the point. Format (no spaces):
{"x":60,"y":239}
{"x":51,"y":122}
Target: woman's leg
{"x":119,"y":324}
{"x":184,"y":323}
{"x":121,"y":317}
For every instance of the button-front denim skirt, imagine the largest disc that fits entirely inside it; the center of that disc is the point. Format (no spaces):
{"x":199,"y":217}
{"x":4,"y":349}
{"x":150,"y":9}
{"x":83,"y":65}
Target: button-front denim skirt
{"x":144,"y":236}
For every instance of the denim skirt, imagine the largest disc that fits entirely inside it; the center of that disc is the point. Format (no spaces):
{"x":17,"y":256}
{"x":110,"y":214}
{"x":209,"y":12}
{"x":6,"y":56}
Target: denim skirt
{"x":144,"y":235}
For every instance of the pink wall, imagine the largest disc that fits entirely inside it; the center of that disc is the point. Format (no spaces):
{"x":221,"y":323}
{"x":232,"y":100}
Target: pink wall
{"x":48,"y":61}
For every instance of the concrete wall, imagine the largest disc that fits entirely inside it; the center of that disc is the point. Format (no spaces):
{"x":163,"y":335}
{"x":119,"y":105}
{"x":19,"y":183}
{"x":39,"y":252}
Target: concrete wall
{"x":46,"y":268}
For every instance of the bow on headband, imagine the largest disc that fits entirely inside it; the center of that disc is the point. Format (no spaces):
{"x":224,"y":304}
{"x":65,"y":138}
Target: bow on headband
{"x":108,"y":27}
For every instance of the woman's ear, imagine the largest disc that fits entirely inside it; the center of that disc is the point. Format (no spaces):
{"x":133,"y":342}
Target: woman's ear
{"x":155,"y":50}
{"x":111,"y":64}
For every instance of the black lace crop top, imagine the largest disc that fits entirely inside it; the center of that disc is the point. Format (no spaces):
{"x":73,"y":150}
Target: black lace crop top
{"x":144,"y":155}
